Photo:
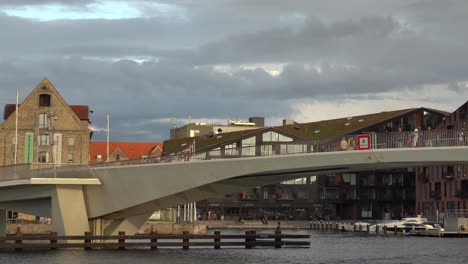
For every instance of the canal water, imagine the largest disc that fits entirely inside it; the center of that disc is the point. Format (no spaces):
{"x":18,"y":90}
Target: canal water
{"x":325,"y":248}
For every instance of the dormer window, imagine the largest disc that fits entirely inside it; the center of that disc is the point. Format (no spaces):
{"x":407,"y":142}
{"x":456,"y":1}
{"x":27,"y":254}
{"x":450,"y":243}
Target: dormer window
{"x":44,"y":100}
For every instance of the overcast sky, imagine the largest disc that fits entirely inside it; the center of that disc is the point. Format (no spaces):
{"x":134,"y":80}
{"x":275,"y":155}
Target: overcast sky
{"x":146,"y":62}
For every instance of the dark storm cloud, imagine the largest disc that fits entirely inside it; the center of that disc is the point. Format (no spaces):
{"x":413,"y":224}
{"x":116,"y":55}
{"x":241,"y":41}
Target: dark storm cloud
{"x":328,"y":51}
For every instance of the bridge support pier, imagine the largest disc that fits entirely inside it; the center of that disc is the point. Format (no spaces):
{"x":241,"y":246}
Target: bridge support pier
{"x":3,"y":222}
{"x":129,"y":225}
{"x":69,"y":216}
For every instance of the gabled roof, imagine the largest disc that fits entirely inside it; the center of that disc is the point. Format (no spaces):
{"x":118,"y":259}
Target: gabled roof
{"x":133,"y":150}
{"x":348,"y":125}
{"x":82,"y":111}
{"x":212,"y":141}
{"x":305,"y":131}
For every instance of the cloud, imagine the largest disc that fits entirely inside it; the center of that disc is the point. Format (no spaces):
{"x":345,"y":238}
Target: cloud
{"x":225,"y":59}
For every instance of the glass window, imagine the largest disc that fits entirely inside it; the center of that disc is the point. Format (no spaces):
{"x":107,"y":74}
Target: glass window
{"x":248,"y":146}
{"x":71,"y":141}
{"x":275,"y":137}
{"x":44,"y":100}
{"x":42,"y":156}
{"x":43,"y":121}
{"x":267,"y":150}
{"x":43,"y":140}
{"x":70,"y":157}
{"x":231,"y":150}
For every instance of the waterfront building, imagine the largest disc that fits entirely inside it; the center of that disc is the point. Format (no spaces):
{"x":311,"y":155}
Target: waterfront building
{"x":359,"y":195}
{"x":205,"y":128}
{"x":441,"y":189}
{"x":49,"y":130}
{"x":119,"y":151}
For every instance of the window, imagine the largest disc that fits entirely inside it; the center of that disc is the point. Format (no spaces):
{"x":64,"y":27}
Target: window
{"x":275,"y":137}
{"x":71,"y":157}
{"x":43,"y":121}
{"x":43,"y":140}
{"x":44,"y":100}
{"x":42,"y":156}
{"x":71,"y":141}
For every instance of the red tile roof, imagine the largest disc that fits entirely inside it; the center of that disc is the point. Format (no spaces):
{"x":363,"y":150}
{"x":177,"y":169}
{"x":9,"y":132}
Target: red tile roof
{"x":133,"y":150}
{"x":82,"y":111}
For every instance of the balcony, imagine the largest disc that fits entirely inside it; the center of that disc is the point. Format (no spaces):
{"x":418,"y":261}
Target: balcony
{"x":462,"y":194}
{"x":436,"y":195}
{"x":424,"y":178}
{"x":448,"y":177}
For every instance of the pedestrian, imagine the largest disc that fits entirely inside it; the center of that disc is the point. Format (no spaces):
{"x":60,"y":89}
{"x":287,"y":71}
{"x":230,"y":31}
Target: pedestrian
{"x":429,"y":137}
{"x":351,"y":144}
{"x":344,"y":144}
{"x":415,"y":137}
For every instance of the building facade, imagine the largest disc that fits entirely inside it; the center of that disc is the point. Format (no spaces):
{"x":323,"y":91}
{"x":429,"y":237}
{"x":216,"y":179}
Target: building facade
{"x":441,"y":189}
{"x":203,"y":129}
{"x":120,"y":151}
{"x":358,"y":195}
{"x":49,"y":130}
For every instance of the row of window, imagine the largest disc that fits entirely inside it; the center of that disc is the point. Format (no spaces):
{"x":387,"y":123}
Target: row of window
{"x":44,"y":140}
{"x":43,"y":157}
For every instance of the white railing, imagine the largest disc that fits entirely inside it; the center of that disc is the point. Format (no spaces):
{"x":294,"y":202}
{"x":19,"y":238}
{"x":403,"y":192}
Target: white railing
{"x":391,"y":140}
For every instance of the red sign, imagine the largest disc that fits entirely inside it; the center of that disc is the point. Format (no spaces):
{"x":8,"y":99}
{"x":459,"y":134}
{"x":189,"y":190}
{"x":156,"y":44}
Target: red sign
{"x":364,"y":142}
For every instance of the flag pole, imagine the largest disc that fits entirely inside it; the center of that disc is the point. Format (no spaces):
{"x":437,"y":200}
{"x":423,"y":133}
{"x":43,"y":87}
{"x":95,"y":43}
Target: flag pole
{"x":16,"y":126}
{"x":107,"y":157}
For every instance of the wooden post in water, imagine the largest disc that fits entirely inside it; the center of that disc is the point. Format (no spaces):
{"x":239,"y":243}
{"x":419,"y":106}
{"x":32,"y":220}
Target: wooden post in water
{"x":87,"y":241}
{"x":217,"y":239}
{"x":254,"y":239}
{"x":368,"y":228}
{"x":377,"y":227}
{"x":395,"y":232}
{"x":121,"y":244}
{"x":19,"y":242}
{"x":354,"y":228}
{"x":360,"y":228}
{"x":154,"y":240}
{"x":185,"y":240}
{"x":337,"y":227}
{"x":278,"y":238}
{"x":385,"y":230}
{"x":53,"y":242}
{"x":247,"y":240}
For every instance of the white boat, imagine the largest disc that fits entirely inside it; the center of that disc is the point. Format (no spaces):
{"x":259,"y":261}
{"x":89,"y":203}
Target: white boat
{"x":403,"y":224}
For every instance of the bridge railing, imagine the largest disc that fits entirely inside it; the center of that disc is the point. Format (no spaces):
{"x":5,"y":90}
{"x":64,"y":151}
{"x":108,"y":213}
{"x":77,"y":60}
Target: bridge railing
{"x":44,"y":170}
{"x":389,"y":140}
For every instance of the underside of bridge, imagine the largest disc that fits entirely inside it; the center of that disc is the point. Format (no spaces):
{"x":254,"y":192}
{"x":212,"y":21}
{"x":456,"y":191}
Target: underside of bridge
{"x":128,"y":195}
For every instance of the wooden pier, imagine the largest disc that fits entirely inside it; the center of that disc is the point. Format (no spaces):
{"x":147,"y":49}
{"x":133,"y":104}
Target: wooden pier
{"x":184,"y":241}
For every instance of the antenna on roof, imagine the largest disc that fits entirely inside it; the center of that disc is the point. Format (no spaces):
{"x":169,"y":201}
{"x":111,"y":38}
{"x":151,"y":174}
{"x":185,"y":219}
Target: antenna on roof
{"x":174,"y":122}
{"x":189,"y":119}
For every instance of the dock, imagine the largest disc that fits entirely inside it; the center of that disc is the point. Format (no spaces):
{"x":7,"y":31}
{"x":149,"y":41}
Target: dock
{"x":183,"y":241}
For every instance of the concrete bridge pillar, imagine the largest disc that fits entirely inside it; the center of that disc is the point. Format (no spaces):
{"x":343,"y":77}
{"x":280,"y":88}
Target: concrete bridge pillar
{"x":3,"y":222}
{"x":69,"y":216}
{"x":129,"y":225}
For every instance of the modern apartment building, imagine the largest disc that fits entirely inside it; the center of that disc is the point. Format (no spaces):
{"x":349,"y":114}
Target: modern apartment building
{"x":440,"y":189}
{"x":358,"y":195}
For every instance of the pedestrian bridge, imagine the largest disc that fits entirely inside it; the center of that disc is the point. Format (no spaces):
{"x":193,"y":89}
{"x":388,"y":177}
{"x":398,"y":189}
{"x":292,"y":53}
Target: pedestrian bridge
{"x":77,"y":197}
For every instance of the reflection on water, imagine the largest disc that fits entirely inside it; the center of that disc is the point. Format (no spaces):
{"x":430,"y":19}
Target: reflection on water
{"x":325,"y":248}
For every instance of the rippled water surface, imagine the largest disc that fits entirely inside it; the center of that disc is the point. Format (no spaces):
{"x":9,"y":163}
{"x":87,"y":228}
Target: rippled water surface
{"x":325,"y":248}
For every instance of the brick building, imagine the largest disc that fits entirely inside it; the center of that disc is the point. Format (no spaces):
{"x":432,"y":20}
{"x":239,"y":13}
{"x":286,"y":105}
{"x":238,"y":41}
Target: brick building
{"x":443,"y":188}
{"x":49,"y":129}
